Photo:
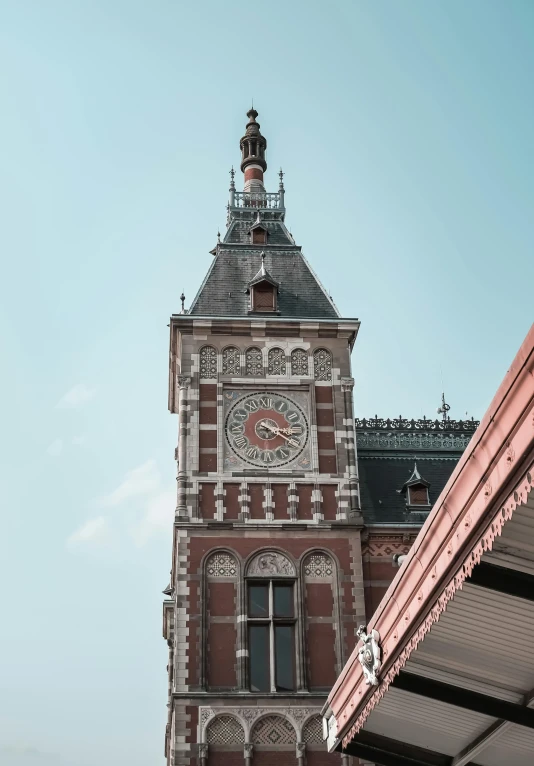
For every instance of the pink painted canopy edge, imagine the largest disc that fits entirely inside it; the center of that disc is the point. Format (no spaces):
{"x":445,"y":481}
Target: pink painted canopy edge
{"x":479,"y":483}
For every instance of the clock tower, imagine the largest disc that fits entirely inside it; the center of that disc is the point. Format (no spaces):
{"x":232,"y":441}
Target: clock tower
{"x":266,"y":588}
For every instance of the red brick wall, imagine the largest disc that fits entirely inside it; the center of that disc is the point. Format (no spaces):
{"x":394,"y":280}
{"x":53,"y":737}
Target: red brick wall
{"x":231,"y":501}
{"x":256,"y":494}
{"x":320,"y":635}
{"x":304,"y":507}
{"x":274,"y":757}
{"x":280,"y":501}
{"x":329,"y":506}
{"x":222,"y":636}
{"x":206,"y":501}
{"x":207,"y":461}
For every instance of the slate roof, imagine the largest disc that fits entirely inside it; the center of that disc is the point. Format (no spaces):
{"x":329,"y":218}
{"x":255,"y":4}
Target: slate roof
{"x":381,"y":478}
{"x":239,"y":232}
{"x":224,"y":291}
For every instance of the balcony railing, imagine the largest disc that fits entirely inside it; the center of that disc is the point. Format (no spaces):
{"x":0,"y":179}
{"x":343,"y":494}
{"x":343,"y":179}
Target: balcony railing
{"x":265,"y":200}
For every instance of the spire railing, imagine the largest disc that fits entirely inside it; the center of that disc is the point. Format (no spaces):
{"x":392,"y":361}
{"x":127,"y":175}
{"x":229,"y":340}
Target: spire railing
{"x":254,"y":200}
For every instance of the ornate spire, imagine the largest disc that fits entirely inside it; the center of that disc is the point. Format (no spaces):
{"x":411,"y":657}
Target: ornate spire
{"x":253,"y":146}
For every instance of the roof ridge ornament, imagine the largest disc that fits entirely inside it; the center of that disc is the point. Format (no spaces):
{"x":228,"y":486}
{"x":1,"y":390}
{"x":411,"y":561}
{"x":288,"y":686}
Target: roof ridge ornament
{"x":370,"y":654}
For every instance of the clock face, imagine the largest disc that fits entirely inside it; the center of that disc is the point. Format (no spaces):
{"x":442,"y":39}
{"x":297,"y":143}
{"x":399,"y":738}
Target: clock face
{"x":266,"y":429}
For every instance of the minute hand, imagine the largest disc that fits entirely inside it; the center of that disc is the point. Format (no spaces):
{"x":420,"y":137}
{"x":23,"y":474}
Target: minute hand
{"x":278,"y":432}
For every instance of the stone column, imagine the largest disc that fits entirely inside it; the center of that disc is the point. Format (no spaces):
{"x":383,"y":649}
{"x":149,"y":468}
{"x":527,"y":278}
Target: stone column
{"x":181,"y":509}
{"x":300,"y":752}
{"x":247,"y":753}
{"x":203,"y":754}
{"x":347,"y":384}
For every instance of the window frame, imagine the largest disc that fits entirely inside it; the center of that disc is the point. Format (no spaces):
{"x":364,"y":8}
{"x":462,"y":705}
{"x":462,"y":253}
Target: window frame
{"x":272,"y":621}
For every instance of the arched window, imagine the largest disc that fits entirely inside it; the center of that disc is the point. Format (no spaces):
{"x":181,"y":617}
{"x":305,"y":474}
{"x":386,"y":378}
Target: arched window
{"x":208,"y":363}
{"x":231,"y":361}
{"x":273,"y":730}
{"x":254,"y":362}
{"x":299,"y":362}
{"x":225,"y":730}
{"x":322,"y":364}
{"x":276,"y":364}
{"x":271,"y":623}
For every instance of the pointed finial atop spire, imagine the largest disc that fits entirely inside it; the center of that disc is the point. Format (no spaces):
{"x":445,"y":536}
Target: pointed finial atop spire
{"x":182,"y":298}
{"x":281,"y":176}
{"x":253,"y":146}
{"x":218,"y":236}
{"x":443,"y":410}
{"x":232,"y":176}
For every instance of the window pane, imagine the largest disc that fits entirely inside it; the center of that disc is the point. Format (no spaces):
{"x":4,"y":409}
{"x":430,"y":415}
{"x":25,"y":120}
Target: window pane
{"x":258,"y":600}
{"x":284,"y":657}
{"x":259,"y":658}
{"x":283,"y":601}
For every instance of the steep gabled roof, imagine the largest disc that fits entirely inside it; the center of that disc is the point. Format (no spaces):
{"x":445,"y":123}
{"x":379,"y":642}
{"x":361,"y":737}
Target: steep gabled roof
{"x":224,"y":291}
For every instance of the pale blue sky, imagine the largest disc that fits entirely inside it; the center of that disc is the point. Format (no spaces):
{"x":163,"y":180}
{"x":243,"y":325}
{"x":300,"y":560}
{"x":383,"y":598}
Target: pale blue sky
{"x":405,"y":128}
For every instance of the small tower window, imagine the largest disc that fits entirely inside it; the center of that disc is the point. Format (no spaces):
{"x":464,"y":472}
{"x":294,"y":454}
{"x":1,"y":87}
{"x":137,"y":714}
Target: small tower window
{"x":418,"y":495}
{"x":259,"y":236}
{"x":263,"y":297}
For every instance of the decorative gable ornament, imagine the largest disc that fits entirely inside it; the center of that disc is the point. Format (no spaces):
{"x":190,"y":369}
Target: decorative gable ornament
{"x":369,"y":654}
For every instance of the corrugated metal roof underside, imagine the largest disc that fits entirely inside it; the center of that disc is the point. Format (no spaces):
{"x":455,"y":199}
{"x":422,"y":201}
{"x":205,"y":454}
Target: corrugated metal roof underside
{"x":483,"y":638}
{"x":514,"y":747}
{"x":515,"y":547}
{"x":435,"y":725}
{"x":483,"y":641}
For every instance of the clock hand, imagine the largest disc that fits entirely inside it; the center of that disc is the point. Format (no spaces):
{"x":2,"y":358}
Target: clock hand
{"x":279,"y":432}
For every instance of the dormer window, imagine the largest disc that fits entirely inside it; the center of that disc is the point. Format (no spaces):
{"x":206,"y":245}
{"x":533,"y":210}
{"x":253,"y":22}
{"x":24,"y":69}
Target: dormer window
{"x":416,"y":491}
{"x":259,"y":236}
{"x":263,"y":290}
{"x":263,"y":297}
{"x":418,"y":495}
{"x":258,"y":231}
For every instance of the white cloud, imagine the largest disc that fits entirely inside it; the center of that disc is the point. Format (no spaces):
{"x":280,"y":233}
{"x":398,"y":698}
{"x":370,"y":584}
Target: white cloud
{"x":55,"y":448}
{"x":76,"y":397}
{"x":143,"y":480}
{"x":95,"y":531}
{"x":158,"y":517}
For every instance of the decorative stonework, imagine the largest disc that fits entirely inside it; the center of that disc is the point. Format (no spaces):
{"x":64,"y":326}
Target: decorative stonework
{"x":203,"y":751}
{"x":322,"y":364}
{"x":253,"y":362}
{"x":221,"y":565}
{"x":276,"y":362}
{"x":184,"y":381}
{"x":273,"y":730}
{"x":299,"y":363}
{"x":347,"y":384}
{"x":231,"y":361}
{"x":247,"y":716}
{"x":208,"y":363}
{"x":382,"y":440}
{"x":312,"y":732}
{"x":423,"y":424}
{"x":318,"y":565}
{"x":269,"y":564}
{"x":369,"y":654}
{"x":225,"y":730}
